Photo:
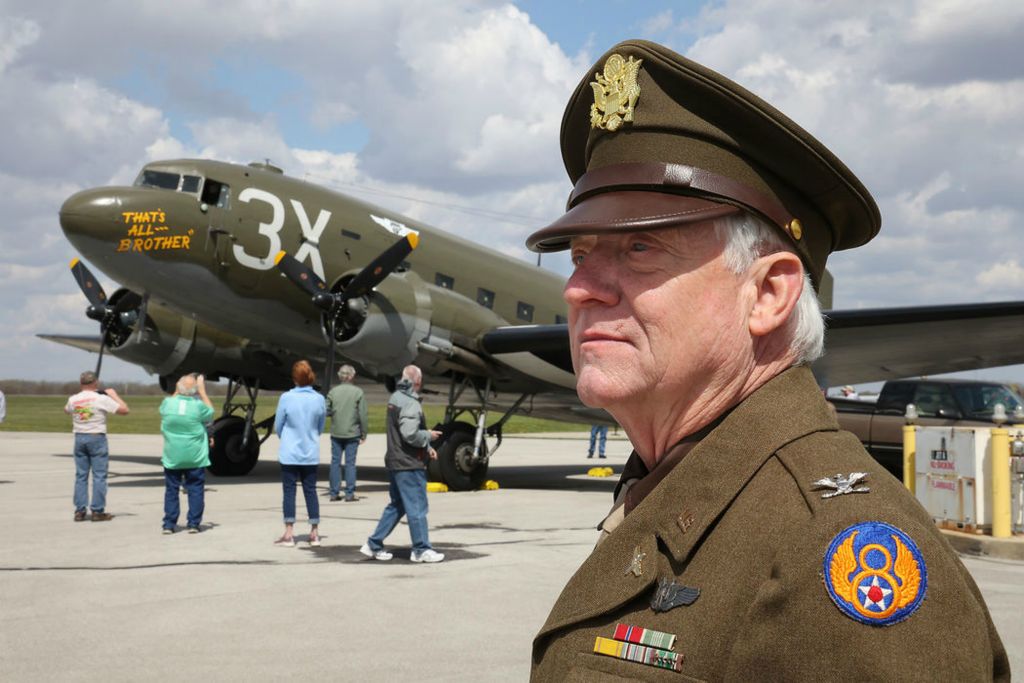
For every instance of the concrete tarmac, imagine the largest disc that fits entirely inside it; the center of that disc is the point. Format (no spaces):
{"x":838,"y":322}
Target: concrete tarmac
{"x":118,"y":601}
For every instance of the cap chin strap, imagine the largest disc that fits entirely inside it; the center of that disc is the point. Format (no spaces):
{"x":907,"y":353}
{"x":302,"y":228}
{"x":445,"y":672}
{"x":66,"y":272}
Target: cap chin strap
{"x":683,"y":179}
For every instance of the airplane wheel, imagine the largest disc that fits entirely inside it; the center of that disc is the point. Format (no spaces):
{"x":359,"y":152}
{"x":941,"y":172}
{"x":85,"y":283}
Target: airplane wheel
{"x":227,"y":458}
{"x":455,"y":458}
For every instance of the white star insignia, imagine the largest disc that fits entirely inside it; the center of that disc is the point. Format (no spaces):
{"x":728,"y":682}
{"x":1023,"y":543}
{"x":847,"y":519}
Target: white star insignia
{"x":867,"y":592}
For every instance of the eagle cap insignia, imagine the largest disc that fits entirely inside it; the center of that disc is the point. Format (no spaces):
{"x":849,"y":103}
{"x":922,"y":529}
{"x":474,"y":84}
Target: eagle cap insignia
{"x":875,"y":573}
{"x":615,"y":93}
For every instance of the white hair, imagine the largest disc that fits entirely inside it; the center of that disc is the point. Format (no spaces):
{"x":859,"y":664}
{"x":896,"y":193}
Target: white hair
{"x":412,"y":373}
{"x":747,"y":238}
{"x":186,"y":388}
{"x":346,"y":372}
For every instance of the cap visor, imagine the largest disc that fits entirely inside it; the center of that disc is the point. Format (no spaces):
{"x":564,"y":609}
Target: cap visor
{"x":626,"y":211}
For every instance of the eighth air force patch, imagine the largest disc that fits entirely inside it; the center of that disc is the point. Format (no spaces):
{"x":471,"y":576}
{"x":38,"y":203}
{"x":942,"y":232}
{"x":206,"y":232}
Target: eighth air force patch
{"x":875,"y":573}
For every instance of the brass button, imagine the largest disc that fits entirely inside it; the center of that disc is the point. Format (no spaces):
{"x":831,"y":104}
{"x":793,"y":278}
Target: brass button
{"x":795,"y":229}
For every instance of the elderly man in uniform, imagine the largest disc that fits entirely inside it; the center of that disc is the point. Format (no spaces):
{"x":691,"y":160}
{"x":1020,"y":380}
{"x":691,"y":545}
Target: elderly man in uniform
{"x":750,"y":538}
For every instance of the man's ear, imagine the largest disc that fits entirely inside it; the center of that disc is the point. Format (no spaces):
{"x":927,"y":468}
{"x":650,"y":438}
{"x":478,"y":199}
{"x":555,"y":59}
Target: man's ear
{"x":779,"y":279}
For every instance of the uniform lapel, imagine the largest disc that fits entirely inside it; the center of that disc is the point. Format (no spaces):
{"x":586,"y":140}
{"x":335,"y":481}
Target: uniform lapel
{"x":691,"y":498}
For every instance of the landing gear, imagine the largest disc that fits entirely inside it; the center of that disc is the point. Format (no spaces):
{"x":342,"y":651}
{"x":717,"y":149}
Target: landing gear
{"x":462,"y":451}
{"x":236,"y":442}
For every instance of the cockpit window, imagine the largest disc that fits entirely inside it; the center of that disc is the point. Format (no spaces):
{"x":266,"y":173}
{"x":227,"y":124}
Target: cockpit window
{"x":216,"y":193}
{"x":160,"y":179}
{"x":190,"y":183}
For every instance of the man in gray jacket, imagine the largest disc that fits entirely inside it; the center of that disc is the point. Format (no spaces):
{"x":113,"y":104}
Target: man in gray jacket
{"x":408,"y":448}
{"x":349,"y":424}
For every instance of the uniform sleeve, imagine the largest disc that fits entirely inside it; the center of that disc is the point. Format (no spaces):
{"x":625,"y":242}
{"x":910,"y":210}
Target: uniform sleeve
{"x":409,"y":426}
{"x":796,"y":630}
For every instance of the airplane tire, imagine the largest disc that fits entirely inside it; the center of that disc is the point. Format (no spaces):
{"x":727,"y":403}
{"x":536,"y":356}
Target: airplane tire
{"x":227,"y":458}
{"x":454,"y":455}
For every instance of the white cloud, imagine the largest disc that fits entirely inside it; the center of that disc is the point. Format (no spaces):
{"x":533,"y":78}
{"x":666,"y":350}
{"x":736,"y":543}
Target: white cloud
{"x":15,"y":34}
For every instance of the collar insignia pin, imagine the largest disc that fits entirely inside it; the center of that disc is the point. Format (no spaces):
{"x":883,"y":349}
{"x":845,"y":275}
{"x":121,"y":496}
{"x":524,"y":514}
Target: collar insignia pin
{"x":841,"y":484}
{"x":635,"y":566}
{"x":669,"y":595}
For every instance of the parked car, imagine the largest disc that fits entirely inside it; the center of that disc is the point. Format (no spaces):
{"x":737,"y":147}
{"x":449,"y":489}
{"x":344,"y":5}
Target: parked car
{"x":939,"y":402}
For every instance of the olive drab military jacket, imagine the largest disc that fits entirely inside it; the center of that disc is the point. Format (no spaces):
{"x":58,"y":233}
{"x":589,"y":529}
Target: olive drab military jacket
{"x":739,"y":567}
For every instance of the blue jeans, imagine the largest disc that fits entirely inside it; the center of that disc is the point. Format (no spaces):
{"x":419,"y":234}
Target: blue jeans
{"x":598,"y":431}
{"x":408,"y":489}
{"x":91,"y":453}
{"x":290,"y":475}
{"x":349,"y":446}
{"x":194,"y":480}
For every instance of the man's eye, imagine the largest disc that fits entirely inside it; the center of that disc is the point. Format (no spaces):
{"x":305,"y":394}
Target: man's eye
{"x":577,"y":259}
{"x":638,"y":246}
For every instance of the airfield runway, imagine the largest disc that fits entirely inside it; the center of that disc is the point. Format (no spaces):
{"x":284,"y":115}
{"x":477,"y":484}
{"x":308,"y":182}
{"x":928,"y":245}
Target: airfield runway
{"x":118,"y":601}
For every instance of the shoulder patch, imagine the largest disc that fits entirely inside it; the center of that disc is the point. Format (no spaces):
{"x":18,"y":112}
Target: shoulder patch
{"x":875,"y":573}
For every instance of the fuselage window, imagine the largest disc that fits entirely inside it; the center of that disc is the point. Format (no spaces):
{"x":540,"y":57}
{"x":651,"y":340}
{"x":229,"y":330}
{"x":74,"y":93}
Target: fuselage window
{"x":524,"y":312}
{"x":446,"y":281}
{"x":190,"y":183}
{"x":216,"y":194}
{"x":158,"y":179}
{"x":485,"y":297}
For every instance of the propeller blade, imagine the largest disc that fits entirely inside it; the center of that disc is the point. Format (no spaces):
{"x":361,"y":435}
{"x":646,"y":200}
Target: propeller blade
{"x":89,"y":285}
{"x":329,"y":369}
{"x":382,"y":266}
{"x":103,"y":346}
{"x":299,"y":274}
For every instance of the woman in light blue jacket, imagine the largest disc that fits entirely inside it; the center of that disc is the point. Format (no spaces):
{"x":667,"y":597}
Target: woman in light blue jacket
{"x":300,"y":418}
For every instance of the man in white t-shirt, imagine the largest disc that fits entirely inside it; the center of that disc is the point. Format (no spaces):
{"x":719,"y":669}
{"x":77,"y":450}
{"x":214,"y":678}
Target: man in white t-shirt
{"x":88,"y":410}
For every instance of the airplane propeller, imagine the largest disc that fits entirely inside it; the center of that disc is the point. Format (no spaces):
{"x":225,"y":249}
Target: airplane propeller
{"x":343,"y":303}
{"x":118,"y":317}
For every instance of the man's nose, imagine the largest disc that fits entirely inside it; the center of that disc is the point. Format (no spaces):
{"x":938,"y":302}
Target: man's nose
{"x":593,"y":282}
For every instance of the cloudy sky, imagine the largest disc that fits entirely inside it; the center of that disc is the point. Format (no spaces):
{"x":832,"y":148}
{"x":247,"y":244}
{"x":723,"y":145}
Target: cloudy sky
{"x":435,"y":109}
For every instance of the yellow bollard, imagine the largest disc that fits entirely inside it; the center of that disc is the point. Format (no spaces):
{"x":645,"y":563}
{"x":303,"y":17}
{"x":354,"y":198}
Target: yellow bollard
{"x":909,"y":456}
{"x":1001,"y":484}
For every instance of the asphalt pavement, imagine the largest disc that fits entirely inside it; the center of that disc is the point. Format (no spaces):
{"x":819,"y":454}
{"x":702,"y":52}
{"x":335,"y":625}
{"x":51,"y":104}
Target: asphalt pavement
{"x":118,"y":601}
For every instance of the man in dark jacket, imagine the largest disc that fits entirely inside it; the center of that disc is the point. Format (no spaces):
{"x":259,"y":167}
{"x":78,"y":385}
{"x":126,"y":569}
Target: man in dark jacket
{"x":408,"y":447}
{"x":738,"y":548}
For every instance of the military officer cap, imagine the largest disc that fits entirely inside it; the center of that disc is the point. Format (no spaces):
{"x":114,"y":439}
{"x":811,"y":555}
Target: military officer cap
{"x":653,"y":140}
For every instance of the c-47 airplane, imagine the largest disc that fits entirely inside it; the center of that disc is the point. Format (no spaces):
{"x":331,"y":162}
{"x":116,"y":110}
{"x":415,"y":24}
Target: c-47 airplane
{"x":237,"y":271}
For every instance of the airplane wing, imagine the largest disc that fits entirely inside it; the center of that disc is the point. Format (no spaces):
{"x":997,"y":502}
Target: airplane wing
{"x":85,"y":342}
{"x":880,"y":344}
{"x":860,"y":345}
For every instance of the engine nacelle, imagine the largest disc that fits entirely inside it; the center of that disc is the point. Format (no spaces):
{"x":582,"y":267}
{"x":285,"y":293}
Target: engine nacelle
{"x":402,"y":316}
{"x":169,"y":344}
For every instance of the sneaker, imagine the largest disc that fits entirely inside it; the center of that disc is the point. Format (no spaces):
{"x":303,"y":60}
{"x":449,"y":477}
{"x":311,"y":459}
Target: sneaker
{"x":429,"y":555}
{"x":194,"y":530}
{"x":167,"y":531}
{"x":382,"y":555}
{"x":601,"y":456}
{"x":335,"y":499}
{"x":79,"y":515}
{"x":590,"y":455}
{"x":285,"y":542}
{"x":314,"y":541}
{"x":101,"y":517}
{"x":350,"y":498}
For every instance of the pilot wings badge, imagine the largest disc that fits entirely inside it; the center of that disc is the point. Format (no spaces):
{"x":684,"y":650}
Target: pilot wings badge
{"x":615,"y":93}
{"x":875,"y":573}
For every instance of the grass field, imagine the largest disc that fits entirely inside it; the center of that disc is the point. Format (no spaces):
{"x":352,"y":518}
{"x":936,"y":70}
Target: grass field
{"x":46,"y":414}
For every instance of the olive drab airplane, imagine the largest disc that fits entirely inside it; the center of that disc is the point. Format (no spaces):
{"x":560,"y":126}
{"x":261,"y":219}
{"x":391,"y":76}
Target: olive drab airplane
{"x":237,"y":271}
